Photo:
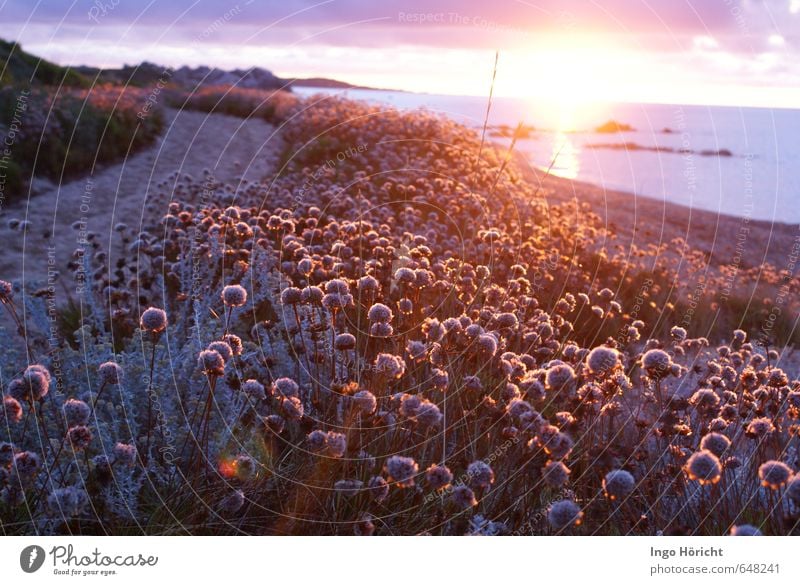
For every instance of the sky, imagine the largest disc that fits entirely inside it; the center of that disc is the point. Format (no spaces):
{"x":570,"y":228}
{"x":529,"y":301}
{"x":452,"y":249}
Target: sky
{"x":729,"y":52}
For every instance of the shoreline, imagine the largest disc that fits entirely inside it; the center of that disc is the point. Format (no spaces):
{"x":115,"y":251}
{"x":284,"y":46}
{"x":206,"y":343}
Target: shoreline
{"x":637,"y":218}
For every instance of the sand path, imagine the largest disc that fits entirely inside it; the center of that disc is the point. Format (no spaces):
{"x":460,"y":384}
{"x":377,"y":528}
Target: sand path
{"x":231,"y":148}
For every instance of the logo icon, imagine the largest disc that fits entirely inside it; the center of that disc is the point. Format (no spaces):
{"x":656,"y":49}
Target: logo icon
{"x":31,"y":558}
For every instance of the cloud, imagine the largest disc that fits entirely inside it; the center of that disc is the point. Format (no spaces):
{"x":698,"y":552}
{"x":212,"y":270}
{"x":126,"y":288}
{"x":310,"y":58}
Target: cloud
{"x":360,"y":40}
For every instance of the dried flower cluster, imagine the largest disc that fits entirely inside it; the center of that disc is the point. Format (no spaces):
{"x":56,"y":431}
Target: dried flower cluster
{"x":392,"y":336}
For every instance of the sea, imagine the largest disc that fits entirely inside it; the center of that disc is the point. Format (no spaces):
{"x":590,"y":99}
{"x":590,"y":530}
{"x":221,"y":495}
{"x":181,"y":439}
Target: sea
{"x":739,"y":161}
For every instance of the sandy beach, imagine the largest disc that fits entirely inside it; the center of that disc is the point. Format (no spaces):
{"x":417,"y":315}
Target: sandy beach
{"x":643,"y":221}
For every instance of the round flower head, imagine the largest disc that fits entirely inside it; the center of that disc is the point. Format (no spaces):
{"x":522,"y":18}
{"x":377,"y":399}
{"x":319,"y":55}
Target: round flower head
{"x":417,"y":350}
{"x":32,"y":386}
{"x":234,"y":295}
{"x":365,"y":401}
{"x":745,"y":530}
{"x":312,"y":295}
{"x":704,"y":400}
{"x":381,"y":329}
{"x":439,"y":379}
{"x":274,"y":423}
{"x":291,"y":296}
{"x":26,"y":464}
{"x":774,"y":474}
{"x":110,"y":373}
{"x":717,"y":443}
{"x":517,"y":408}
{"x":602,"y":361}
{"x":618,"y":484}
{"x":555,"y":443}
{"x":234,"y":342}
{"x":337,"y":286}
{"x":286,"y":387}
{"x":480,"y":475}
{"x":317,"y":441}
{"x":463,"y":497}
{"x":555,"y":474}
{"x":292,"y":407}
{"x":348,"y":488}
{"x":124,"y":454}
{"x":506,"y":321}
{"x":211,"y":362}
{"x":793,"y":489}
{"x":409,"y":403}
{"x":344,"y":342}
{"x":486,"y":345}
{"x":245,"y":467}
{"x":222,"y":348}
{"x":759,"y":428}
{"x":232,"y":503}
{"x":12,"y":410}
{"x":657,"y":363}
{"x":153,"y":320}
{"x":76,"y":412}
{"x":79,"y":437}
{"x":67,"y":502}
{"x":404,"y":275}
{"x":389,"y":365}
{"x":40,"y":369}
{"x":336,"y":302}
{"x":438,"y":477}
{"x":378,"y":488}
{"x":563,"y":514}
{"x":368,"y":284}
{"x":254,"y":389}
{"x":401,"y":470}
{"x":704,"y":466}
{"x":428,"y":414}
{"x":380,"y":313}
{"x":678,"y":333}
{"x":336,"y":444}
{"x":559,"y":376}
{"x":405,"y":306}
